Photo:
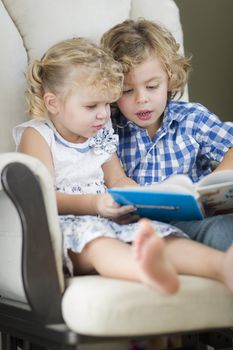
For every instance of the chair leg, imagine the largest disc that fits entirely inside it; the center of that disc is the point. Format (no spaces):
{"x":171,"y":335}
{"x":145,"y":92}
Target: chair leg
{"x":5,"y":342}
{"x":64,"y":347}
{"x":36,"y":347}
{"x":219,"y":340}
{"x":25,"y":345}
{"x":8,"y":342}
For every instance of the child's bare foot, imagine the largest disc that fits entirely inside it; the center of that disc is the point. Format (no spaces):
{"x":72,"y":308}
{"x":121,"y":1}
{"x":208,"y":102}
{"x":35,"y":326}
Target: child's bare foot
{"x":228,"y":268}
{"x":145,"y":232}
{"x":156,"y":270}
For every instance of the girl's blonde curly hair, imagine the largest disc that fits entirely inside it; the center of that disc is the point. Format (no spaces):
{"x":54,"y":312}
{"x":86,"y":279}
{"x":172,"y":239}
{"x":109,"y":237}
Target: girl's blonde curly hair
{"x":68,"y":64}
{"x":132,"y":42}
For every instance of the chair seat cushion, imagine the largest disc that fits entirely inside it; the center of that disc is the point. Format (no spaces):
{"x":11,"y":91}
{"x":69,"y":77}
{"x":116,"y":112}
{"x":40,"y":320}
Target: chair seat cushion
{"x":94,"y":305}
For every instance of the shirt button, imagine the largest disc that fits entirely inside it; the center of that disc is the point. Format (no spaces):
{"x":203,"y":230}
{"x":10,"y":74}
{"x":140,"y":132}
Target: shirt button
{"x":149,"y":156}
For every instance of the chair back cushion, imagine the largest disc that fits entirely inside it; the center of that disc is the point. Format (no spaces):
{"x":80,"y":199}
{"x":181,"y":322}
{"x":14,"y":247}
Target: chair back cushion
{"x":28,"y":28}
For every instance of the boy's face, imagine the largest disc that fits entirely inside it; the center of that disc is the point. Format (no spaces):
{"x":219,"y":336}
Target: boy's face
{"x":145,"y":95}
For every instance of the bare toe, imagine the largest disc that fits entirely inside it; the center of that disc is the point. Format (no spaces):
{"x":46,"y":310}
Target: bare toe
{"x":146,"y":230}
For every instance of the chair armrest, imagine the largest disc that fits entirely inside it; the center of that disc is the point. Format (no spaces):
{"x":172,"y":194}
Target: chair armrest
{"x":39,"y":273}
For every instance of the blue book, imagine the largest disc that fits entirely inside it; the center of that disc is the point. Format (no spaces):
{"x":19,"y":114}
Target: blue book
{"x":178,"y":199}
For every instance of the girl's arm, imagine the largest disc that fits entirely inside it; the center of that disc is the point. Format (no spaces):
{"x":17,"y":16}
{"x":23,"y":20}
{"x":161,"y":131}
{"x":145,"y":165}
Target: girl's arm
{"x":227,"y":162}
{"x":114,"y":175}
{"x":33,"y":144}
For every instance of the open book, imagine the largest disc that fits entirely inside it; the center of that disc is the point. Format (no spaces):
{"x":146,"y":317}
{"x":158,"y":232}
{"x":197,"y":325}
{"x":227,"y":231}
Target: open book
{"x":178,"y":198}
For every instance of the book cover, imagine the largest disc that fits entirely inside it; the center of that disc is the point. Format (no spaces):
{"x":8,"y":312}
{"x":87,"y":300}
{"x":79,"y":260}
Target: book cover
{"x":178,"y":198}
{"x":159,"y":206}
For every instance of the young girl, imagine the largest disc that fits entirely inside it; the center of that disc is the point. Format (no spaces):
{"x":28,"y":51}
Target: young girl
{"x":69,"y":92}
{"x":160,"y":137}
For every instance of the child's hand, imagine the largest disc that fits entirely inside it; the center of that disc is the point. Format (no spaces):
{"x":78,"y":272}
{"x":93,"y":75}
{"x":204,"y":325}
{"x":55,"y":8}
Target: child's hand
{"x":108,"y":208}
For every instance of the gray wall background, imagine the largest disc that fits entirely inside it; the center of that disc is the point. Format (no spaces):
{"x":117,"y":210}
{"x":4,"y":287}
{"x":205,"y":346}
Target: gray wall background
{"x":208,"y":36}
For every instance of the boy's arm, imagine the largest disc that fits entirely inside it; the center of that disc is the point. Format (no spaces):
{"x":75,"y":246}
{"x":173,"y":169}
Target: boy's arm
{"x":114,"y":175}
{"x":227,"y":162}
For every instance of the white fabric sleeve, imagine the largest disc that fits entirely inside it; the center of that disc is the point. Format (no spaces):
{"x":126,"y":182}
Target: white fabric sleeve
{"x":38,"y":125}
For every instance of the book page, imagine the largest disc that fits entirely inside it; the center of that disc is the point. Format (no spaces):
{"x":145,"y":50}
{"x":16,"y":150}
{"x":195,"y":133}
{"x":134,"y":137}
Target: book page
{"x":218,"y":200}
{"x":160,"y":188}
{"x":216,"y":191}
{"x":168,"y":188}
{"x":215,"y":178}
{"x":174,"y":184}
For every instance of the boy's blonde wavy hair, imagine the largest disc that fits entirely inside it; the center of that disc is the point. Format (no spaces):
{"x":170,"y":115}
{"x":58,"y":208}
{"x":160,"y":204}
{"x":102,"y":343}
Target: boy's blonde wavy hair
{"x":132,"y":42}
{"x":68,"y":64}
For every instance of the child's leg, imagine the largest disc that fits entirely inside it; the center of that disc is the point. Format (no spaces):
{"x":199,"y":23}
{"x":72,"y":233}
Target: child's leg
{"x":208,"y":231}
{"x":193,"y":258}
{"x":155,"y":261}
{"x":145,"y":260}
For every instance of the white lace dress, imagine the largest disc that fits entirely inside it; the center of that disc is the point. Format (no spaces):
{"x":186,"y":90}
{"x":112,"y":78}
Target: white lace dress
{"x":78,"y":170}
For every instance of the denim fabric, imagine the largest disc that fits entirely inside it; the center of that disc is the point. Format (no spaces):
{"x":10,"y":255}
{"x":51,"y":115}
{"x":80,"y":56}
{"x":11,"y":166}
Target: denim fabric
{"x":216,"y":232}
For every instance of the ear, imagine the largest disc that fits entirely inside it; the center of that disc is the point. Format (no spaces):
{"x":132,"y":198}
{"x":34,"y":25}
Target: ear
{"x":51,"y":102}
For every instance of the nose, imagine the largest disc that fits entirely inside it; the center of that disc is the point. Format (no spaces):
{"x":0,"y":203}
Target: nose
{"x":141,"y":97}
{"x":103,"y":113}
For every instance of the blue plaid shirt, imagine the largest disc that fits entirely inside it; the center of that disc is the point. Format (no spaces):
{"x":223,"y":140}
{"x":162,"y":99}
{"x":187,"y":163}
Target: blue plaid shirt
{"x":189,"y":141}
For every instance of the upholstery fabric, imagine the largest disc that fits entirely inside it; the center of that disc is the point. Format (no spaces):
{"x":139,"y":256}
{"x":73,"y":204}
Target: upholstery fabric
{"x":10,"y":230}
{"x":102,"y":306}
{"x":13,"y":61}
{"x":28,"y":28}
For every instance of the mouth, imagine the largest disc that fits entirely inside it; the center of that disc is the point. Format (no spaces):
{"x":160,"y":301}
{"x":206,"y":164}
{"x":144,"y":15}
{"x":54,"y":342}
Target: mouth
{"x":144,"y":114}
{"x":98,"y":127}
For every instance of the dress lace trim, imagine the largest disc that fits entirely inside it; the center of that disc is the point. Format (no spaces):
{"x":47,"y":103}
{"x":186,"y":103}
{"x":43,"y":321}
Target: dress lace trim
{"x":104,"y":142}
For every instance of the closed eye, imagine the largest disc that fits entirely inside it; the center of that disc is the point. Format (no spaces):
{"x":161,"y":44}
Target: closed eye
{"x":127,"y":91}
{"x":153,"y":87}
{"x":91,"y":106}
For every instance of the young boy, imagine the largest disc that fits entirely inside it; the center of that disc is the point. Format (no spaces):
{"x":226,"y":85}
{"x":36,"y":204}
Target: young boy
{"x":160,"y":137}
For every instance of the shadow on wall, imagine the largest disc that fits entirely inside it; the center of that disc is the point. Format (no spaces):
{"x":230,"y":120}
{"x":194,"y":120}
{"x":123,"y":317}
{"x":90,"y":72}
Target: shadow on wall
{"x":208,"y":28}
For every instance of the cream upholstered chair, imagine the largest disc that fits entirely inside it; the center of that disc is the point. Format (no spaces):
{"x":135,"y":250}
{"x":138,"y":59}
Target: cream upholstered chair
{"x":38,"y":308}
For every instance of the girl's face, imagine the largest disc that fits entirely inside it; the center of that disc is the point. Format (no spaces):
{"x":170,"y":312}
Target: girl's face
{"x":82,"y":115}
{"x":144,"y":95}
